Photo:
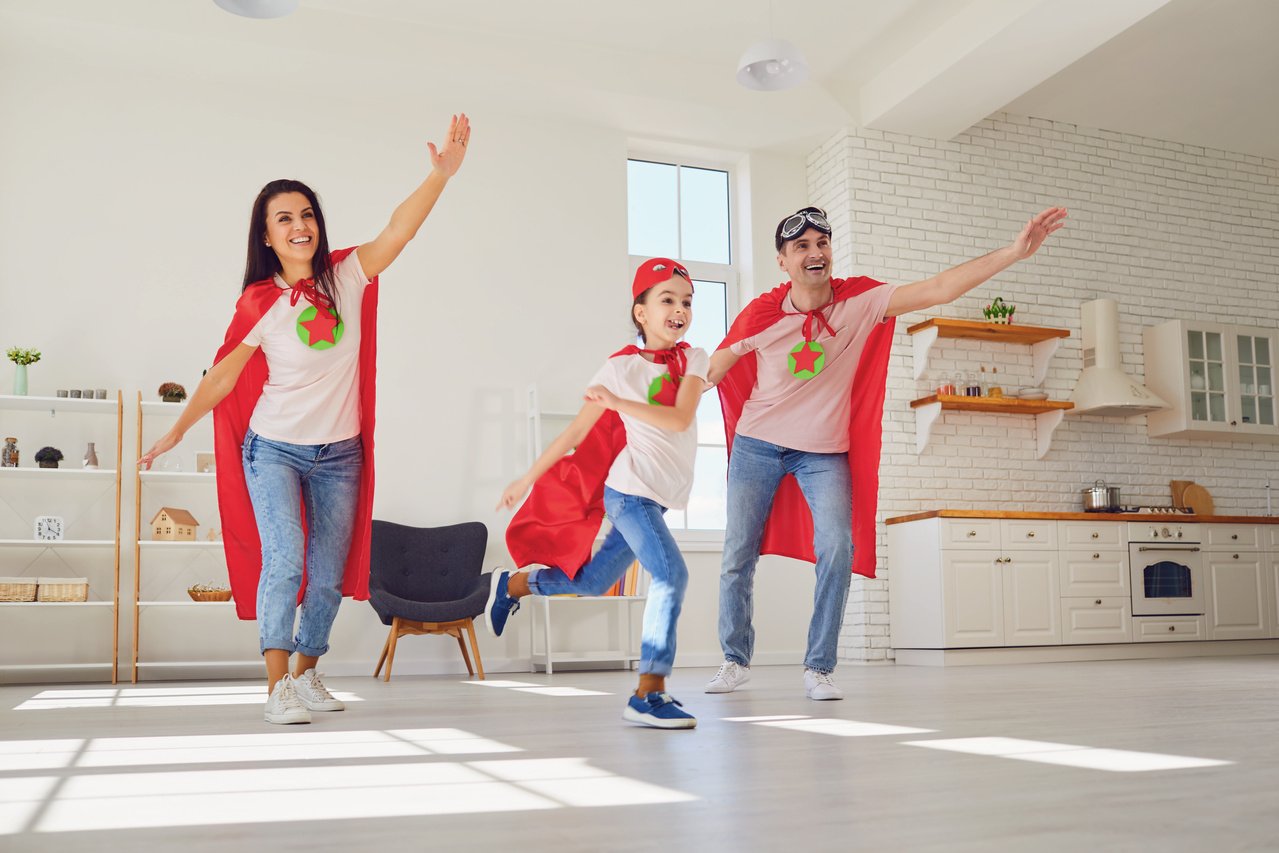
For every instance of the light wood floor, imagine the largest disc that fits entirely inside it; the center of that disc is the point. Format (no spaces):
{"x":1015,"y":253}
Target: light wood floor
{"x":437,"y":763}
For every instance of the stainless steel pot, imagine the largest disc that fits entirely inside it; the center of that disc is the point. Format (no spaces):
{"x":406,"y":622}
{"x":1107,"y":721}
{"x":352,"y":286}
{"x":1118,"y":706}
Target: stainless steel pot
{"x":1101,"y":498}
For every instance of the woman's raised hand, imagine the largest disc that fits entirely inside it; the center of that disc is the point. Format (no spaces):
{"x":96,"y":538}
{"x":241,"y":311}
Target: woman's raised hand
{"x":512,"y":494}
{"x":448,"y":159}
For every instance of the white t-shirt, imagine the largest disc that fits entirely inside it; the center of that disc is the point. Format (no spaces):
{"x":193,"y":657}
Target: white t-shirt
{"x":312,"y":395}
{"x":655,"y":463}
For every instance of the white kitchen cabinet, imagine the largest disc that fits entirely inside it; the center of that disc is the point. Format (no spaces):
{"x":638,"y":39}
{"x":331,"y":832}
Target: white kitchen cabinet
{"x":1167,"y":629}
{"x":1093,"y":574}
{"x":1237,"y":587}
{"x":974,"y":583}
{"x":1272,"y":596}
{"x":1218,"y":379}
{"x":1104,"y":619}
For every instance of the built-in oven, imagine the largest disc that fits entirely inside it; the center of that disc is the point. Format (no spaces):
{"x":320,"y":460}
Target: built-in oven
{"x":1167,"y":569}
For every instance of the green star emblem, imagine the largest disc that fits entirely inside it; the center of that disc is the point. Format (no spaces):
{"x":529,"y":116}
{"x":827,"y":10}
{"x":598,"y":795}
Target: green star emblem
{"x":806,"y":360}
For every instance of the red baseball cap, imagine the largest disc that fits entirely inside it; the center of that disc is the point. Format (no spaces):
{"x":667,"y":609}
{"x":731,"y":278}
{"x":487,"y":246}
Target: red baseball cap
{"x":655,"y":271}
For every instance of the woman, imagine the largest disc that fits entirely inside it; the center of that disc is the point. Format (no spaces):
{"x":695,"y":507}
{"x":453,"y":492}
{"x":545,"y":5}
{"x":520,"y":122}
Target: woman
{"x":292,"y":396}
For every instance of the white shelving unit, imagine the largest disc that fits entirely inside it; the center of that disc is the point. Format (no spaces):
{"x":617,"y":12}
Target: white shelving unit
{"x":629,"y":650}
{"x":147,"y":549}
{"x":22,"y":493}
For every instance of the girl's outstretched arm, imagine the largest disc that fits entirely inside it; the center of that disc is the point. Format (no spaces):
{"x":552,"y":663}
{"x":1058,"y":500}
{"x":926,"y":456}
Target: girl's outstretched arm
{"x":571,"y":437}
{"x":377,"y":255}
{"x":674,"y":418}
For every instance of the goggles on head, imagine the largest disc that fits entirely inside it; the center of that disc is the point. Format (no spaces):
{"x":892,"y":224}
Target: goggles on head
{"x":809,"y":217}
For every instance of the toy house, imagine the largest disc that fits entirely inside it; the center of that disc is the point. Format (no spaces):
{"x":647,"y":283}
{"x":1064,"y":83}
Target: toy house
{"x":173,"y":525}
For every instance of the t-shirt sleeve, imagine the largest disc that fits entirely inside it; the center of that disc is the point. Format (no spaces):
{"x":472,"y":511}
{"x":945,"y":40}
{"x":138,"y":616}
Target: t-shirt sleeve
{"x":349,"y":273}
{"x":606,"y":376}
{"x":877,"y":301}
{"x":254,"y":337}
{"x":699,"y":363}
{"x":744,"y":346}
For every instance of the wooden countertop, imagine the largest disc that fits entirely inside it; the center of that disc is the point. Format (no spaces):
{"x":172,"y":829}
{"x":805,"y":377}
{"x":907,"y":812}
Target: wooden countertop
{"x":1087,"y":516}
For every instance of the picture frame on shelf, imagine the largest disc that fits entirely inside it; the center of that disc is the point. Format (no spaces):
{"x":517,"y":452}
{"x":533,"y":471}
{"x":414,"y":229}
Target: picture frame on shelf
{"x":205,"y":462}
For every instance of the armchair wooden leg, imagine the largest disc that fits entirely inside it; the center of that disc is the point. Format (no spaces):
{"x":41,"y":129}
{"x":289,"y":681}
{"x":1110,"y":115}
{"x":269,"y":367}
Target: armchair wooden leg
{"x":381,"y":660}
{"x":390,"y":651}
{"x":461,"y":644}
{"x":475,"y":648}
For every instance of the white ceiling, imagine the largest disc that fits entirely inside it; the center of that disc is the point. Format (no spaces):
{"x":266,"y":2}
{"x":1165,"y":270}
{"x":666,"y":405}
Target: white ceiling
{"x":1203,"y":72}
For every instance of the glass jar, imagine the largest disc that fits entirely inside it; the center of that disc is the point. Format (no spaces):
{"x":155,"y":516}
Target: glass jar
{"x":994,"y":389}
{"x":9,"y":456}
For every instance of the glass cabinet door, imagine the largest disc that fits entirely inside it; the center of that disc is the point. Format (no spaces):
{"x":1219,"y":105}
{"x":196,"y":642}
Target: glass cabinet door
{"x":1206,"y":356}
{"x":1255,"y":395}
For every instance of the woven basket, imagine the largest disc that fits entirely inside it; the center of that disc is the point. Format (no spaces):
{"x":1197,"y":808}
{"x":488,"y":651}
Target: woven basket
{"x":63,"y":589}
{"x":209,"y":594}
{"x":17,"y":589}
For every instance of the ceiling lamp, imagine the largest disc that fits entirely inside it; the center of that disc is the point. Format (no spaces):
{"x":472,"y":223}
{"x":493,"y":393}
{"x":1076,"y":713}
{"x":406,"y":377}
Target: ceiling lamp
{"x":772,"y":65}
{"x":259,"y":8}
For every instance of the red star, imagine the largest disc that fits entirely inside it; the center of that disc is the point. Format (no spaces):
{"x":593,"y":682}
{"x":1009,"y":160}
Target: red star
{"x":321,"y":327}
{"x":666,"y":395}
{"x":806,"y":358}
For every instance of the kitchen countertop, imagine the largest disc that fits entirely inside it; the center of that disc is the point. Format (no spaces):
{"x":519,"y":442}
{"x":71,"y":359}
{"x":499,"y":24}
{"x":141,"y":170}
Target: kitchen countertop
{"x":1184,"y":518}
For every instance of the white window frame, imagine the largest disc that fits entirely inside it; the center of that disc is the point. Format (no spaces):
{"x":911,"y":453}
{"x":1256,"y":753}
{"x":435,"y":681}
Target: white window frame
{"x":692,"y":538}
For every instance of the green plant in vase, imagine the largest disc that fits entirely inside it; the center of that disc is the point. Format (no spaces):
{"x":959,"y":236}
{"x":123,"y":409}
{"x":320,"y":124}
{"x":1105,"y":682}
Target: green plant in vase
{"x":999,"y":311}
{"x":21,"y":357}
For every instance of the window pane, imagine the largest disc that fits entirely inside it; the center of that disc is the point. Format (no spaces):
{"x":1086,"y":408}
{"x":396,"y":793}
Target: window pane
{"x":652,"y":209}
{"x":706,"y":505}
{"x":1263,"y":350}
{"x":703,"y":201}
{"x":710,"y":325}
{"x":1196,"y":340}
{"x":1214,"y":345}
{"x":1245,"y":349}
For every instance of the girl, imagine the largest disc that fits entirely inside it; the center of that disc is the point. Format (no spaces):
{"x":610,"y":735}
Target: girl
{"x":655,"y":392}
{"x":292,"y":395}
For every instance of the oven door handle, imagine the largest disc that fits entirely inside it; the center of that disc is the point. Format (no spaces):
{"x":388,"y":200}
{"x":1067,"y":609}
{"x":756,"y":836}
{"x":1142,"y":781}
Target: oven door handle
{"x":1168,"y":548}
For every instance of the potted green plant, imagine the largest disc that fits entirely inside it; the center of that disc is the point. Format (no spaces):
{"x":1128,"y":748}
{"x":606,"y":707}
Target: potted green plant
{"x":21,"y":357}
{"x":172,"y":392}
{"x":48,"y":457}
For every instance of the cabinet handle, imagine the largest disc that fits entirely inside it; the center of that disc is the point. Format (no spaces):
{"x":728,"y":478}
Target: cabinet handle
{"x":972,"y":533}
{"x":1234,"y":535}
{"x":1095,"y":535}
{"x":1236,"y":556}
{"x":1098,"y":601}
{"x":1030,"y":535}
{"x":1096,"y":556}
{"x":1172,"y":627}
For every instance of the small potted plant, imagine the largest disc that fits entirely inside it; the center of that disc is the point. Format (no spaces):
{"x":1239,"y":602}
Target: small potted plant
{"x":48,"y":457}
{"x":999,"y":311}
{"x":172,"y":392}
{"x":21,"y":357}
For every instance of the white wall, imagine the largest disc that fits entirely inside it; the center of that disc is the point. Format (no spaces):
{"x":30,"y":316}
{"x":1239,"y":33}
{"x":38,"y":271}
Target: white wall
{"x":1168,"y":230}
{"x":128,"y":171}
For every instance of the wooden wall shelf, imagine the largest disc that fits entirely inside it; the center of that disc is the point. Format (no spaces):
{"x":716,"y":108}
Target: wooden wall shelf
{"x":1042,"y":340}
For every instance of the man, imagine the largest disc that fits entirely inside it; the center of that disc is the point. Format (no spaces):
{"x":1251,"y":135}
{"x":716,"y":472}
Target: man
{"x":802,"y":379}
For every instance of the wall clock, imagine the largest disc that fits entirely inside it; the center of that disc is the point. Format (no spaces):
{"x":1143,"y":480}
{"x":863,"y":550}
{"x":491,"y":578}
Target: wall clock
{"x":48,"y":527}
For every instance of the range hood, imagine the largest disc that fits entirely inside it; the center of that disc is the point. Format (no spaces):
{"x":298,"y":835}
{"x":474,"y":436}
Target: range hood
{"x":1103,"y":388}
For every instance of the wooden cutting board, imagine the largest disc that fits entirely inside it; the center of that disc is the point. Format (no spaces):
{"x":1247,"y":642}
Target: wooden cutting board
{"x":1197,"y":498}
{"x":1179,"y":491}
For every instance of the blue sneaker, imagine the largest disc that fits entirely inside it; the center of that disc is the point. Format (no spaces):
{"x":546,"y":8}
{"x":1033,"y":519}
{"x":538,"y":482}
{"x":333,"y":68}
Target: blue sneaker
{"x":659,"y":710}
{"x":500,"y":605}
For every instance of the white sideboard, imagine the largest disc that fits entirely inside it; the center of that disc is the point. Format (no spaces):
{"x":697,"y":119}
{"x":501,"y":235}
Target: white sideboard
{"x":1025,"y":588}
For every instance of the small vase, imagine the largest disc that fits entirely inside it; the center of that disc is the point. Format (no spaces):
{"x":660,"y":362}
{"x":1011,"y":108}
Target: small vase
{"x":90,"y":457}
{"x":20,"y":381}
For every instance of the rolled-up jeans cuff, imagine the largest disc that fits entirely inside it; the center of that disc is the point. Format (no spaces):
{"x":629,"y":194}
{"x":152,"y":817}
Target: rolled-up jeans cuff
{"x":280,"y":645}
{"x":311,"y":652}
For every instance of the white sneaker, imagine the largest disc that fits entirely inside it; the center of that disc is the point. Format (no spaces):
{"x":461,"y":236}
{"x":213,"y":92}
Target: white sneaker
{"x":314,"y":695}
{"x":283,"y":705}
{"x":731,"y":676}
{"x":821,"y":686}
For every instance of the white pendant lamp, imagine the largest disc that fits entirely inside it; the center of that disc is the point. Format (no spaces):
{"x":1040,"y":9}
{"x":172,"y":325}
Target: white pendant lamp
{"x":771,"y":66}
{"x":259,"y":8}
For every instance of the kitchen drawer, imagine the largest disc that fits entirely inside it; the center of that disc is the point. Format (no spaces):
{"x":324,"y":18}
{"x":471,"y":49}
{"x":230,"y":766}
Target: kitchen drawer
{"x":1100,"y":619}
{"x":970,"y":533}
{"x":1231,"y":537}
{"x":1094,"y":573}
{"x":1150,"y":629}
{"x":1100,"y":535}
{"x":1023,"y":533}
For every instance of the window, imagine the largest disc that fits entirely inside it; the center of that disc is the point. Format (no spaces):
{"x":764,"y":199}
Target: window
{"x":682,"y":211}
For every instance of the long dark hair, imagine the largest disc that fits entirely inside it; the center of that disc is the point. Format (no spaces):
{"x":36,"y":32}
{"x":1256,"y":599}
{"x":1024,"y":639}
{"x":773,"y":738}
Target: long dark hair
{"x":262,"y":262}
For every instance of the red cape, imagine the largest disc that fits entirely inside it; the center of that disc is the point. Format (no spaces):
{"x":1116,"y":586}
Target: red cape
{"x":231,"y":422}
{"x":556,"y":526}
{"x":789,"y":530}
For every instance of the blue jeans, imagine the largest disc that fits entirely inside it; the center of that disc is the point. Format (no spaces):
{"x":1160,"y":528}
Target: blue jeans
{"x":638,"y":531}
{"x":282,"y":478}
{"x":755,"y":469}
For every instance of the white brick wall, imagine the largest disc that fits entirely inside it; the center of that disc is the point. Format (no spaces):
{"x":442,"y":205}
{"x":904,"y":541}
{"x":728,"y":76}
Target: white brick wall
{"x":1168,"y":230}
